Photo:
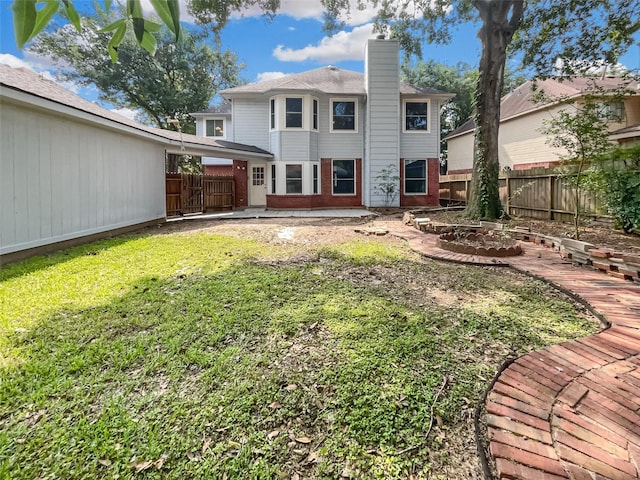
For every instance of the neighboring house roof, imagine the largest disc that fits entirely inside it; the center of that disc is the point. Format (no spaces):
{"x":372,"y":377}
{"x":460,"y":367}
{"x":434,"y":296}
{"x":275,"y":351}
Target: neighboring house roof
{"x":329,"y":80}
{"x":632,"y":131}
{"x":28,"y":82}
{"x":520,"y":101}
{"x":221,"y":110}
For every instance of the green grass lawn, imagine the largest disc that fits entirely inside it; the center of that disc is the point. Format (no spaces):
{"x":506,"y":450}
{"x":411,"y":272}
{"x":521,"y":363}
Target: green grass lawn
{"x":202,"y":356}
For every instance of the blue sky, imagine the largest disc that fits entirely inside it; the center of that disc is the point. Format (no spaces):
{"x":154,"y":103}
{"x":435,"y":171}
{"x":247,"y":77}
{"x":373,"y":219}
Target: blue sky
{"x":291,"y":43}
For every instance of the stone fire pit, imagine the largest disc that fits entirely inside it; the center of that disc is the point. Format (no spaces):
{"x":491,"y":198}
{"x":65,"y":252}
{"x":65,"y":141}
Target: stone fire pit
{"x":474,"y":243}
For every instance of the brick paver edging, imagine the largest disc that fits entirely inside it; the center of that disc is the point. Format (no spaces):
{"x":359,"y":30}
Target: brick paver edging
{"x":569,"y":411}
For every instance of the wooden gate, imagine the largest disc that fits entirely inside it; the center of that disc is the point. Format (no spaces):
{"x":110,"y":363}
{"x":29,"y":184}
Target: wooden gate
{"x":192,"y":193}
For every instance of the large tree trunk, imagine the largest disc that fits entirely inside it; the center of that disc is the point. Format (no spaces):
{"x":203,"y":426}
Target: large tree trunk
{"x":500,"y":19}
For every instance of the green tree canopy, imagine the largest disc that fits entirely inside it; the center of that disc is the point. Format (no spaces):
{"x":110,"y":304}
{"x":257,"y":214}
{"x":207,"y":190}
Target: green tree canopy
{"x":182,"y":77}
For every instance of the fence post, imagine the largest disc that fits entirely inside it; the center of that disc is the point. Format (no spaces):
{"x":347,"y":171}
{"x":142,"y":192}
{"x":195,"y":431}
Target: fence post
{"x":508,"y":180}
{"x":551,"y":197}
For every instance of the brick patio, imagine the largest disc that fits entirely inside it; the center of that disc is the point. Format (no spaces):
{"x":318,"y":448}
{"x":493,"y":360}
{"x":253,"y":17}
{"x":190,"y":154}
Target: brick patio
{"x":569,"y":411}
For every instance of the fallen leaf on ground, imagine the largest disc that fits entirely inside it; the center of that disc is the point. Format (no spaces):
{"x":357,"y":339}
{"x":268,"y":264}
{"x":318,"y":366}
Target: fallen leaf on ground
{"x":273,"y":434}
{"x":291,"y":388}
{"x":142,"y":466}
{"x":205,"y":445}
{"x":275,"y":405}
{"x":104,"y":462}
{"x":303,"y":440}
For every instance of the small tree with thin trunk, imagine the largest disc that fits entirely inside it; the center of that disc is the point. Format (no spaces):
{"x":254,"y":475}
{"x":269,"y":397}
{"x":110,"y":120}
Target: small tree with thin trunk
{"x":580,"y":132}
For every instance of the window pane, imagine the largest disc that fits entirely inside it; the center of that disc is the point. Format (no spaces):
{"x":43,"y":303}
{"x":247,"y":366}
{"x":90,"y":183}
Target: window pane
{"x":415,"y":176}
{"x":214,"y":128}
{"x":273,"y":179}
{"x":416,"y":115}
{"x":344,"y":117}
{"x":273,"y":113}
{"x":415,"y":169}
{"x":416,"y":108}
{"x":294,"y":113}
{"x":315,"y":114}
{"x":344,"y":177}
{"x":415,"y":186}
{"x":315,"y":179}
{"x":294,"y":178}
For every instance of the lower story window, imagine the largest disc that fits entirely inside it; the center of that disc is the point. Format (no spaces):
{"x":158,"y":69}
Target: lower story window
{"x":273,"y":179}
{"x":344,"y":177}
{"x":415,"y":177}
{"x":316,"y":180}
{"x":294,"y":178}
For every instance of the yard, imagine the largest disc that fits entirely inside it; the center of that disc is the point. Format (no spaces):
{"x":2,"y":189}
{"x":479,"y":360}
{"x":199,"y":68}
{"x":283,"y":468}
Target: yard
{"x":257,"y":349}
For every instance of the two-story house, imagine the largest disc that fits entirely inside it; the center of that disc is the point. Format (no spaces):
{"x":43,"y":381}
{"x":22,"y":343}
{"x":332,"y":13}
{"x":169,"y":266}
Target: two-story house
{"x":522,"y":144}
{"x":339,"y":138}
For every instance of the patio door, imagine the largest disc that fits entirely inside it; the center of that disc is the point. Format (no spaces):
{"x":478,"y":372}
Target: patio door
{"x":258,"y":189}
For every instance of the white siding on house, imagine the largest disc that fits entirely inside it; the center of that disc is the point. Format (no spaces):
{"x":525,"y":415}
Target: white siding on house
{"x":251,"y":122}
{"x":423,"y":145}
{"x":63,"y":179}
{"x":382,"y":139}
{"x":296,"y":146}
{"x":339,"y":144}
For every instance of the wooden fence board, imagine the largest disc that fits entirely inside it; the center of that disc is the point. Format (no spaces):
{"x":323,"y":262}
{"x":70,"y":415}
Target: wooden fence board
{"x":537,"y":193}
{"x":194,"y":193}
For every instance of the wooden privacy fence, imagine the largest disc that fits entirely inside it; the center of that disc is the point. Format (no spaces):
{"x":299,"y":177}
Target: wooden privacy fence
{"x":536,"y":193}
{"x":193,"y":193}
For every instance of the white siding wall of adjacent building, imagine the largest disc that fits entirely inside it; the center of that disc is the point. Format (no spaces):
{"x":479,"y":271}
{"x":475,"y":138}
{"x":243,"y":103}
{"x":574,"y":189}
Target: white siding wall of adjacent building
{"x":521,"y":141}
{"x":62,"y":179}
{"x":460,"y":152}
{"x":251,"y":125}
{"x":382,"y":138}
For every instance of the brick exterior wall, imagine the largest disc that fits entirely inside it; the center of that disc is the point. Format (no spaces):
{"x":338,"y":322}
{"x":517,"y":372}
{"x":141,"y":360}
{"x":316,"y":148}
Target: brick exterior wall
{"x":433,"y":187}
{"x":325,"y":199}
{"x":219,"y":170}
{"x":242,"y":183}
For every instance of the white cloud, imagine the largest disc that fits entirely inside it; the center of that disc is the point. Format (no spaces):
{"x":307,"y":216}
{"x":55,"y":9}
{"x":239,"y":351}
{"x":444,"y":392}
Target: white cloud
{"x":292,"y":29}
{"x":126,"y":112}
{"x":264,"y":76}
{"x":340,"y":47}
{"x":312,"y":9}
{"x":40,"y":65}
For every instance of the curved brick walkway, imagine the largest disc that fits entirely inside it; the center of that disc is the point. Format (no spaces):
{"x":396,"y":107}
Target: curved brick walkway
{"x":570,"y":411}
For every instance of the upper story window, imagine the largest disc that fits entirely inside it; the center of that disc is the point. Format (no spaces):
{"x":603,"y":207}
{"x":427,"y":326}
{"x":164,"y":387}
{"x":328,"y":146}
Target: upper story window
{"x":315,"y":114}
{"x":344,"y":115}
{"x":214,"y":128}
{"x":272,"y":113}
{"x":416,"y":116}
{"x":611,"y":111}
{"x":293,"y":112}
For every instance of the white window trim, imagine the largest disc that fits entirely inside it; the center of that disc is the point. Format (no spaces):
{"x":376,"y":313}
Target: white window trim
{"x":355,"y":114}
{"x":404,"y":177}
{"x":224,"y":127}
{"x":355,"y":176}
{"x":404,"y":115}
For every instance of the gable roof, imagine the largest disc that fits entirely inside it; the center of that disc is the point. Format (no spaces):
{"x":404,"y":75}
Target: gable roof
{"x":33,"y":86}
{"x":520,"y":101}
{"x":329,"y":80}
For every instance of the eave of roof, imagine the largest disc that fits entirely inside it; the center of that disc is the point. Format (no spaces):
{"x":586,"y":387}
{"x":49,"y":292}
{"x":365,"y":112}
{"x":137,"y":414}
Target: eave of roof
{"x":27,"y":87}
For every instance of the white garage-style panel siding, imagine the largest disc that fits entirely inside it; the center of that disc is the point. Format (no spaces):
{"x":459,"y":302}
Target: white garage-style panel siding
{"x":460,"y":152}
{"x":64,"y":179}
